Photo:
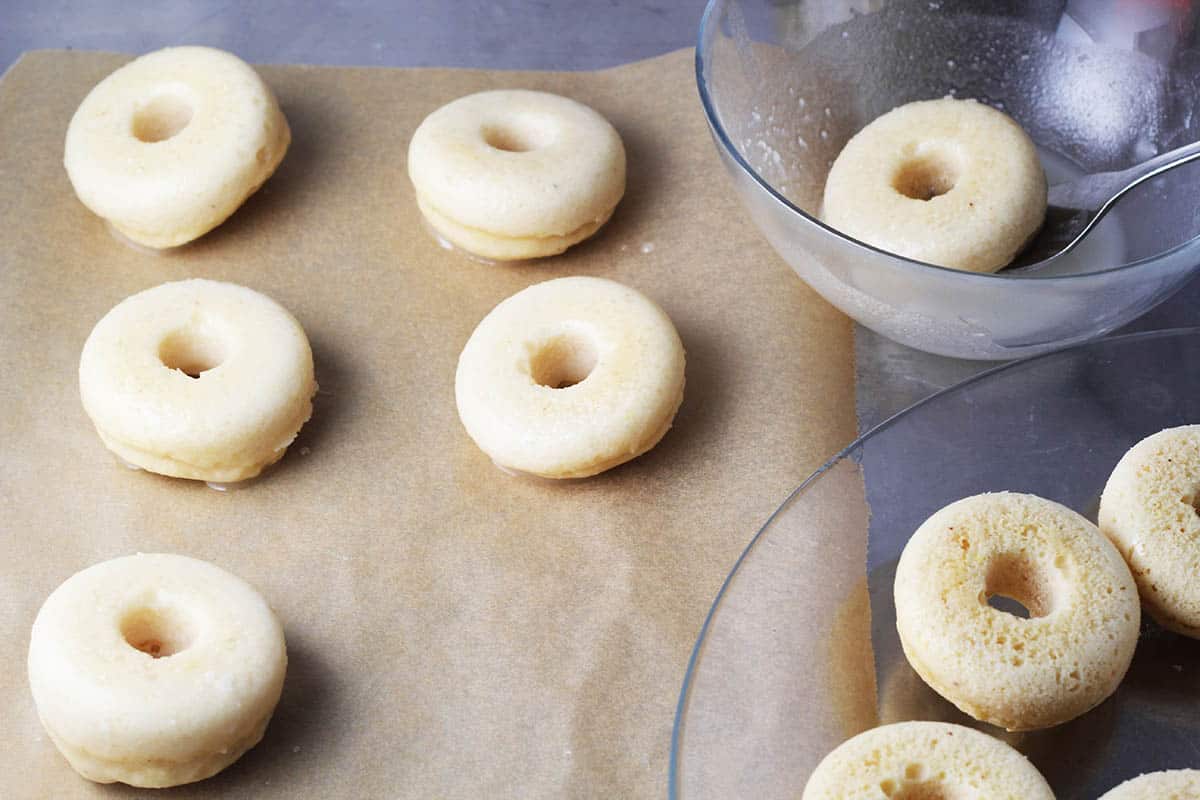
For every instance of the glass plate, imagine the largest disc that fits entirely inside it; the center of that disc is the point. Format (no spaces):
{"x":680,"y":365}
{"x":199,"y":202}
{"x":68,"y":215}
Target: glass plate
{"x":1055,"y":426}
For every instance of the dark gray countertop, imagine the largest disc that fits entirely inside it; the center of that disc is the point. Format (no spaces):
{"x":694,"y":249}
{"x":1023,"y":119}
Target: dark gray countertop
{"x":517,"y":34}
{"x":514,"y":34}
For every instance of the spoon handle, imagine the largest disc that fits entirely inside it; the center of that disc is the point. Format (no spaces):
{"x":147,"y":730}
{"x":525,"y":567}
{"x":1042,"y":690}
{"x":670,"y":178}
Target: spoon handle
{"x":1093,"y":191}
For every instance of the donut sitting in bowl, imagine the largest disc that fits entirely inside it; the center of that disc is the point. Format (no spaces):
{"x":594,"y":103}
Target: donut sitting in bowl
{"x":949,"y":182}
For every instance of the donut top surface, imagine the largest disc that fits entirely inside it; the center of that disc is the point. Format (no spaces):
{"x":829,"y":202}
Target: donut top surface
{"x":208,"y":374}
{"x":569,"y":377}
{"x":147,"y":642}
{"x":518,"y":163}
{"x":1149,"y":511}
{"x":1177,"y":784}
{"x":167,"y":146}
{"x":950,"y":182}
{"x":1020,"y":673}
{"x":925,"y":761}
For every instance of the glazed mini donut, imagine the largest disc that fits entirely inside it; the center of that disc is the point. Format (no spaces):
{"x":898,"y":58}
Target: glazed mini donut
{"x":1020,"y":674}
{"x":169,"y":145}
{"x":155,"y":670}
{"x":925,"y":760}
{"x":949,"y":182}
{"x":198,"y":379}
{"x":1176,"y":784}
{"x":1149,"y":511}
{"x":516,"y":174}
{"x":570,"y":377}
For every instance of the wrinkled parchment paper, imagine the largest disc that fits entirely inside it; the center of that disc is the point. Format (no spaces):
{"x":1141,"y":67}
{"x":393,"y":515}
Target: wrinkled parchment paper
{"x":452,"y":631}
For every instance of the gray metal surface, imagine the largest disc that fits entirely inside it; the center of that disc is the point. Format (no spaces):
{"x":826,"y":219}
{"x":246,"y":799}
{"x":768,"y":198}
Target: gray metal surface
{"x":518,"y":34}
{"x":514,"y":34}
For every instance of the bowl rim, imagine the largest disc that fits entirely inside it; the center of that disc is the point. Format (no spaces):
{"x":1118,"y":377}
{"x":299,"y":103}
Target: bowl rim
{"x":847,"y":451}
{"x":707,"y":21}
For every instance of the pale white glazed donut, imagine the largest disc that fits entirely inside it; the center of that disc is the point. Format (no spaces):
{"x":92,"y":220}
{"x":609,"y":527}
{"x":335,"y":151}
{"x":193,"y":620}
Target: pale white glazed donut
{"x":252,"y":391}
{"x":1176,"y":784}
{"x":949,"y":182}
{"x":925,"y":760}
{"x":1149,"y":511}
{"x":169,"y":145}
{"x":155,"y":670}
{"x":570,"y":377}
{"x":1021,"y":674}
{"x":514,"y":174}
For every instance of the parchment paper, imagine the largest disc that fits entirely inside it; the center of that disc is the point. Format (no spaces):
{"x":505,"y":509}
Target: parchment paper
{"x":452,"y":631}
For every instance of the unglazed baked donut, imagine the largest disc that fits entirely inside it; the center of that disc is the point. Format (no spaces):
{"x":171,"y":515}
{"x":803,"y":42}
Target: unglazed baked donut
{"x":925,"y":760}
{"x":514,"y":174}
{"x":570,"y":377}
{"x":949,"y":182}
{"x":155,"y":670}
{"x":1149,"y":511}
{"x":198,"y":379}
{"x":169,"y":145}
{"x":1176,"y":784}
{"x":1020,"y":674}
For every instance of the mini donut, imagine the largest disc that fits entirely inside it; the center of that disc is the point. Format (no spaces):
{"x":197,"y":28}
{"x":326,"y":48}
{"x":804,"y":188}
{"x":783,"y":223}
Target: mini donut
{"x":515,"y":174}
{"x":949,"y":182}
{"x":155,"y":670}
{"x":198,"y":379}
{"x":1020,"y":674}
{"x":169,"y":145}
{"x":570,"y":377}
{"x":1176,"y":784}
{"x":1149,"y":511}
{"x":925,"y":760}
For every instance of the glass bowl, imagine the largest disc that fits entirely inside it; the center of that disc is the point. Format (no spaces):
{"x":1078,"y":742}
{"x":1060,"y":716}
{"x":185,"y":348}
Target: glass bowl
{"x":1099,"y":87}
{"x":761,"y":705}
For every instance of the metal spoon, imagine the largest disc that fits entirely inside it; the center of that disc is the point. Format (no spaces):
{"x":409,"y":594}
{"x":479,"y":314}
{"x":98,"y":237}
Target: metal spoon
{"x":1073,"y":208}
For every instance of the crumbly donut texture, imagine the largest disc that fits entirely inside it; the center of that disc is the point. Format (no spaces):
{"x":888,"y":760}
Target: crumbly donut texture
{"x":570,"y":377}
{"x":925,"y":760}
{"x":516,"y":174}
{"x":169,"y":145}
{"x":251,"y":391}
{"x":949,"y":182}
{"x":1020,"y":674}
{"x":155,"y":670}
{"x":1177,"y":784}
{"x":1149,"y":511}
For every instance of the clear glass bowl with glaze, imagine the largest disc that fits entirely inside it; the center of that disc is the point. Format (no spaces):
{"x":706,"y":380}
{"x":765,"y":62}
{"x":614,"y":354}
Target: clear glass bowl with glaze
{"x":1100,"y":87}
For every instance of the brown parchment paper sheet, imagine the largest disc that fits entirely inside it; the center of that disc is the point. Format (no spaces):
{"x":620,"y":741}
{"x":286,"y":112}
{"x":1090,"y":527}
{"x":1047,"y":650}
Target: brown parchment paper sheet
{"x":452,"y":631}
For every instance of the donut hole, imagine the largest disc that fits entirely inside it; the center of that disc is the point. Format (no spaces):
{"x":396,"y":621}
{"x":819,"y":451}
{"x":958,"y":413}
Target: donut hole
{"x":159,"y":632}
{"x":563,"y":361}
{"x":926,"y":176}
{"x":519,"y":136}
{"x":192,"y":351}
{"x":162,"y":118}
{"x":1008,"y":605}
{"x":1017,"y":585}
